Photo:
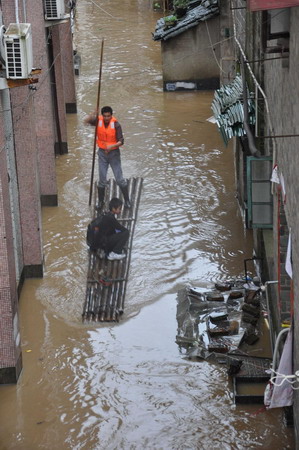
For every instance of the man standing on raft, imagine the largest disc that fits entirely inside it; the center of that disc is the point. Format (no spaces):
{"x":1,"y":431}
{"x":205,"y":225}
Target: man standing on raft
{"x":109,"y":139}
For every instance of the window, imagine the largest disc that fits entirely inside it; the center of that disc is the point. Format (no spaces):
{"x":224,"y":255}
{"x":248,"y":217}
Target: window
{"x":278,"y":23}
{"x":276,"y":32}
{"x":259,"y":196}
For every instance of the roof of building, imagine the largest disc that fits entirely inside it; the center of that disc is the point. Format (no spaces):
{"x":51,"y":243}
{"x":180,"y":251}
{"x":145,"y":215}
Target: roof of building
{"x":197,"y":12}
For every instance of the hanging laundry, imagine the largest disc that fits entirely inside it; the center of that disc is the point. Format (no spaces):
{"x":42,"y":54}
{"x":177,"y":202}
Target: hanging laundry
{"x":275,"y":175}
{"x":288,"y":266}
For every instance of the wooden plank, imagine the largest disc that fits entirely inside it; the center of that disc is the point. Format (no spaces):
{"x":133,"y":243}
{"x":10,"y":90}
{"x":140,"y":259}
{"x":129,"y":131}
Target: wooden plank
{"x":13,"y":83}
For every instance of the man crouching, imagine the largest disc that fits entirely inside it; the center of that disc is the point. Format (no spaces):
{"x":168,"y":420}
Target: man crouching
{"x":108,"y":234}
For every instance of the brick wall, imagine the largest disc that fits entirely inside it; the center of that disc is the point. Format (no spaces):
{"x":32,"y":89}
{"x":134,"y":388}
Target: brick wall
{"x":43,"y":108}
{"x":279,"y":79}
{"x":10,"y":351}
{"x":283,"y":89}
{"x":68,"y":68}
{"x":30,"y":128}
{"x":283,"y":277}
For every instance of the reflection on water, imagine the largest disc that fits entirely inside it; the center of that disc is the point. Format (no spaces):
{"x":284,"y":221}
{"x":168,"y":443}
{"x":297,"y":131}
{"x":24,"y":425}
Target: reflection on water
{"x":126,"y":386}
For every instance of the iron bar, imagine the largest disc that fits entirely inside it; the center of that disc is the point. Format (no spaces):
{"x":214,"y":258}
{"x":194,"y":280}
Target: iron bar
{"x":266,"y":59}
{"x":278,"y":136}
{"x":114,"y":274}
{"x":138,"y":185}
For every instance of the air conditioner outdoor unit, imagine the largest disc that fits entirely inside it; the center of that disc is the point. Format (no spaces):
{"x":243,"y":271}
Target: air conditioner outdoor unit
{"x":18,"y":50}
{"x":54,"y":9}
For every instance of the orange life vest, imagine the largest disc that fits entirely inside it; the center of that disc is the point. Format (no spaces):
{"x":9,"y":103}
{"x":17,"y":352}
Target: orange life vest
{"x":106,"y":136}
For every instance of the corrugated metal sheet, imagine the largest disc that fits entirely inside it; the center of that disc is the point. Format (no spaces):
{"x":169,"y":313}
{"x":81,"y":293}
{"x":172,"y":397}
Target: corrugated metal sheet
{"x":227,"y":108}
{"x":195,"y":14}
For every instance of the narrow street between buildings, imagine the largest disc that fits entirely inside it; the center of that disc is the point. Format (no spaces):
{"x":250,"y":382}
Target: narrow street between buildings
{"x":126,"y":385}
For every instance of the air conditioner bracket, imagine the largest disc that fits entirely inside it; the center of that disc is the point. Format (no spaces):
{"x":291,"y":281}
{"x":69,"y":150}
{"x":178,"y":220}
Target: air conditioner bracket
{"x":51,"y":23}
{"x":24,"y":82}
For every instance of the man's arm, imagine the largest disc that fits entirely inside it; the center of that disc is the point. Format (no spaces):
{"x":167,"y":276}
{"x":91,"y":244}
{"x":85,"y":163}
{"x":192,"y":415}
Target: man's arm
{"x":119,"y":137}
{"x":91,"y":119}
{"x":116,"y":225}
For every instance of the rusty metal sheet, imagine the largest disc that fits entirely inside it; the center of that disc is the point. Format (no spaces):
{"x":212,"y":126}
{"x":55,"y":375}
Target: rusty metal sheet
{"x":261,"y":5}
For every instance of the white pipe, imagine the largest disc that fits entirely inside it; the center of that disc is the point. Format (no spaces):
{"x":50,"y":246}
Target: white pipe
{"x":17,"y":10}
{"x":268,"y":309}
{"x":24,"y":11}
{"x":274,"y":366}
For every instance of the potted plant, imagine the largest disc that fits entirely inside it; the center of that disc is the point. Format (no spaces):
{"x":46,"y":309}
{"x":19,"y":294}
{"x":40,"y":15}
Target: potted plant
{"x":180,"y":7}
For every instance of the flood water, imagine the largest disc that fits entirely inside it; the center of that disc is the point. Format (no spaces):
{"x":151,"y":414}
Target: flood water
{"x":126,"y":385}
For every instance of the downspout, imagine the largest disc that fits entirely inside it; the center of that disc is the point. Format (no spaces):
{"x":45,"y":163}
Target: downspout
{"x":253,"y":150}
{"x":54,"y":94}
{"x":265,"y":288}
{"x":275,"y":354}
{"x":24,"y":11}
{"x":17,"y":10}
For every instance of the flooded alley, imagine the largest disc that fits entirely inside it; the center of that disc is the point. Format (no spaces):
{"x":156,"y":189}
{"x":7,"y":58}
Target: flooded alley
{"x":126,"y":385}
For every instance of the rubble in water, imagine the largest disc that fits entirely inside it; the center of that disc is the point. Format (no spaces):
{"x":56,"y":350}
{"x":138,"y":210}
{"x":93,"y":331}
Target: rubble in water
{"x":217,"y":321}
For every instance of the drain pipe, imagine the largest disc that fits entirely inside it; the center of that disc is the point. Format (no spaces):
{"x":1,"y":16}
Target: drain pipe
{"x":253,"y":150}
{"x":275,"y":354}
{"x":265,"y":288}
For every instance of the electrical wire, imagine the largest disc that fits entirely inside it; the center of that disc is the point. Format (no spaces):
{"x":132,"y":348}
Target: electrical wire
{"x":213,"y":50}
{"x":102,"y":9}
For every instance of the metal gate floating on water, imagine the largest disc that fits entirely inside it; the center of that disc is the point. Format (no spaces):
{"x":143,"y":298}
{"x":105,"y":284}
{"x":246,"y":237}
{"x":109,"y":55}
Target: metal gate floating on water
{"x":107,"y":280}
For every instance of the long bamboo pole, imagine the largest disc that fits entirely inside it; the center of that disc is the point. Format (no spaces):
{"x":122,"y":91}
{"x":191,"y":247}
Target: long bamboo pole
{"x":96,"y":127}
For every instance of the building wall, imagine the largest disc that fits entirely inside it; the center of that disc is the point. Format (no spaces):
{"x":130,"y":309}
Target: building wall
{"x":43,"y":106}
{"x":227,"y":55}
{"x":32,"y":122}
{"x":28,"y":179}
{"x":279,"y":79}
{"x":190,"y":57}
{"x":26,"y":163}
{"x":68,"y":68}
{"x":14,"y":210}
{"x":282,"y":89}
{"x":10,"y":351}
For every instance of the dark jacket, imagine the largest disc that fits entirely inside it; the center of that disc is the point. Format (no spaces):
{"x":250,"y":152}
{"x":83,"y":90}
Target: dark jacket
{"x":100,"y":230}
{"x":109,"y":225}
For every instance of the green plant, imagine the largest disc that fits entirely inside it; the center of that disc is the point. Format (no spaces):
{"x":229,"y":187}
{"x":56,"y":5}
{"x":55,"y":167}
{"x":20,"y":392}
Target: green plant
{"x":180,"y":3}
{"x":170,"y":19}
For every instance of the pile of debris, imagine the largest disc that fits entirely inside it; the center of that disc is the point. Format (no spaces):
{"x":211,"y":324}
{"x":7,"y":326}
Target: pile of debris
{"x":213,"y":325}
{"x":218,"y":321}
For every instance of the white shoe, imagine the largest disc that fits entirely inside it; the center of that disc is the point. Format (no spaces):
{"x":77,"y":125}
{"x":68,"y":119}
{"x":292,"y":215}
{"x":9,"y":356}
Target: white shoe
{"x":115,"y":256}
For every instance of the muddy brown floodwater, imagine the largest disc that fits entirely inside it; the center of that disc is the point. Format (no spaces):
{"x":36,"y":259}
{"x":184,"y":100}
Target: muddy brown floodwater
{"x":126,"y":385}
